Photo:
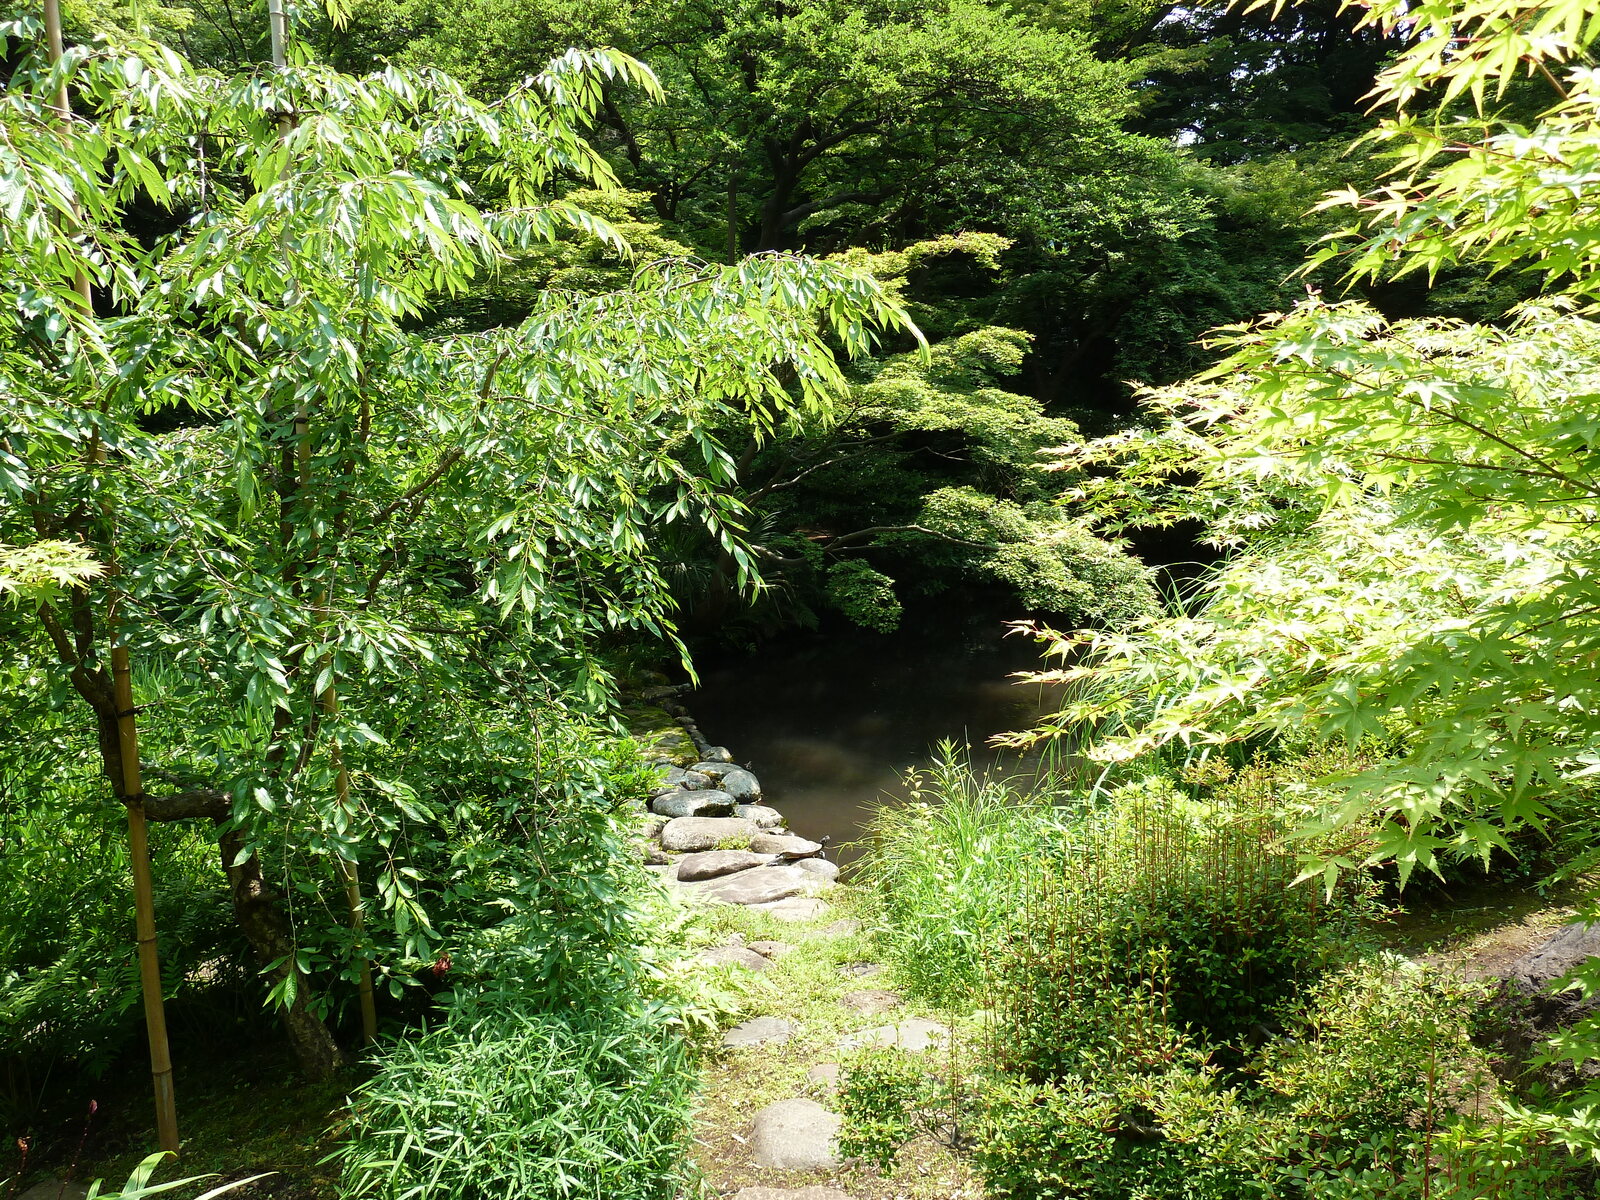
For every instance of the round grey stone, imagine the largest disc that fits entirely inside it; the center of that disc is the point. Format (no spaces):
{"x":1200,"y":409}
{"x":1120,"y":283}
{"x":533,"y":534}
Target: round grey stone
{"x":767,"y":818}
{"x":717,"y":754}
{"x":820,"y":867}
{"x":785,"y":845}
{"x":740,"y":784}
{"x":708,"y":803}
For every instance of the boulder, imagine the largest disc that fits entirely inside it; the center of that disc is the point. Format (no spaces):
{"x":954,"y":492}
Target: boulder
{"x":1532,"y":1013}
{"x":717,"y":754}
{"x":785,"y":845}
{"x":686,"y":835}
{"x":914,"y":1033}
{"x":759,"y":885}
{"x":795,"y":1135}
{"x":766,"y":818}
{"x":759,"y":1031}
{"x":709,"y":864}
{"x":706,"y":803}
{"x":735,"y":956}
{"x":820,"y":867}
{"x":741,"y":785}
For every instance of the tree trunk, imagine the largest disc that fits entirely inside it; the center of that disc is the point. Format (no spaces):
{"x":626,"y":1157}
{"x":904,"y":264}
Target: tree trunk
{"x":256,"y":907}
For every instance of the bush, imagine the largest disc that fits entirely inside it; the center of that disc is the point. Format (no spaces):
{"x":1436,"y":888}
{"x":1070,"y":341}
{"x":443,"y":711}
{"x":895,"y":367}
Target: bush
{"x":524,"y":1106}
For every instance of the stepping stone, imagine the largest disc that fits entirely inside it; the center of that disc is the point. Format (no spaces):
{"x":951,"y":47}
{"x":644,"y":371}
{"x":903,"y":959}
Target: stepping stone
{"x":848,"y":927}
{"x":825,"y":1076}
{"x":872,"y":1002}
{"x":771,"y":949}
{"x":708,"y":864}
{"x":707,"y":803}
{"x":860,"y":970}
{"x":820,"y":867}
{"x":766,"y":818}
{"x":914,"y":1034}
{"x":760,"y":885}
{"x":735,"y":956}
{"x":795,"y":1135}
{"x":796,"y":908}
{"x":691,"y":834}
{"x":785,"y":845}
{"x":759,"y":1031}
{"x":806,"y":1193}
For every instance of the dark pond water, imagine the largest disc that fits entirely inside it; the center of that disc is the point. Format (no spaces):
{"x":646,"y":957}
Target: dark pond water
{"x":831,"y":722}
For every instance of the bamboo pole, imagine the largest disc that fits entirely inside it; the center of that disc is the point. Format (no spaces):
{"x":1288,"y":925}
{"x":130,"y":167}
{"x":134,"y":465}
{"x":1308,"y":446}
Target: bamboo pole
{"x":155,"y":1016}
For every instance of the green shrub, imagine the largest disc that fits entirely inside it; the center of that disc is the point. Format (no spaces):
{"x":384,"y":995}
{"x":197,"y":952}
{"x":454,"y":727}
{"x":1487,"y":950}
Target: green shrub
{"x":524,"y":1106}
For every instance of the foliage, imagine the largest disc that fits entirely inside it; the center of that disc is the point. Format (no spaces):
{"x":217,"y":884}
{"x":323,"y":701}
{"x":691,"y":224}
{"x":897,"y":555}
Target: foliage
{"x":948,"y":867}
{"x":523,"y":1105}
{"x":883,"y":1096}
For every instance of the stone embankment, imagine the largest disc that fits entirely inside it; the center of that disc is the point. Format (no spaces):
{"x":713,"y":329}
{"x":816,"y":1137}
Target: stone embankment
{"x":709,"y":832}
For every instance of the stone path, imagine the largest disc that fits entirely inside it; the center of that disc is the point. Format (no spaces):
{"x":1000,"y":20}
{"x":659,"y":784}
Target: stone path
{"x":766,"y":1130}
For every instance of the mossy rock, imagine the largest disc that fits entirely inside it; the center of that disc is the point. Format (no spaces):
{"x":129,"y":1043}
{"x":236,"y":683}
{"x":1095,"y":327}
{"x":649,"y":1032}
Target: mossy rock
{"x":659,"y":735}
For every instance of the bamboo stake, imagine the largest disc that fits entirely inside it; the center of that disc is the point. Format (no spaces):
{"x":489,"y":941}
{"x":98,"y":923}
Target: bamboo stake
{"x":155,"y":1016}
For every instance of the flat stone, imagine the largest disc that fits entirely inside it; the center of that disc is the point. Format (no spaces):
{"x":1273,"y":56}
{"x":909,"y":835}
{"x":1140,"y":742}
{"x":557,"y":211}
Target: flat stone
{"x":740,"y":784}
{"x":771,"y":949}
{"x":759,"y":1031}
{"x":820,"y":867}
{"x":848,"y":927}
{"x":915,"y":1034}
{"x":871,"y":1002}
{"x":795,"y":1135}
{"x":691,"y":834}
{"x":717,"y":754}
{"x":735,"y":956}
{"x":785,"y":845}
{"x":806,"y":1193}
{"x":708,"y":864}
{"x":707,"y":803}
{"x":766,"y":818}
{"x":55,"y":1189}
{"x":860,"y":970}
{"x":759,"y":885}
{"x":795,"y":908}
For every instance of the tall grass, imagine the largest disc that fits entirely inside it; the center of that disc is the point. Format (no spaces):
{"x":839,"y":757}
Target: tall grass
{"x":951,"y":865}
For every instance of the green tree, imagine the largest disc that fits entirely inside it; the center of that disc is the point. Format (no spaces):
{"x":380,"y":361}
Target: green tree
{"x":320,"y":521}
{"x":1412,"y":503}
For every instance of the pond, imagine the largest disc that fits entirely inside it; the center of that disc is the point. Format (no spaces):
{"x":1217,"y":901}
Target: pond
{"x":831,"y":722}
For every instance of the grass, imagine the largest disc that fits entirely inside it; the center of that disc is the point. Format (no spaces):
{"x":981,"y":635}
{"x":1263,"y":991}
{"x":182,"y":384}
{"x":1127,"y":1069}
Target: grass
{"x":805,"y":986}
